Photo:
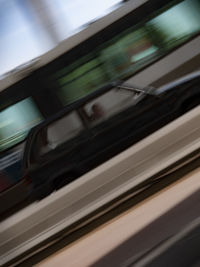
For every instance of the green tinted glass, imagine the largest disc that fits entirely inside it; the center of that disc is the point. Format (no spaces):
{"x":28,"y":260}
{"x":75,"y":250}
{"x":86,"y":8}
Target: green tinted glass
{"x":129,"y":51}
{"x":16,"y":121}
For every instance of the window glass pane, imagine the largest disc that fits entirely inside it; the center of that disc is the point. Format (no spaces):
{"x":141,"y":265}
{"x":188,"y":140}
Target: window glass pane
{"x":58,"y":133}
{"x":64,"y":129}
{"x":129,"y":51}
{"x":176,"y":24}
{"x":121,"y":57}
{"x":133,"y":49}
{"x":16,"y":121}
{"x":82,"y":81}
{"x":108,"y":104}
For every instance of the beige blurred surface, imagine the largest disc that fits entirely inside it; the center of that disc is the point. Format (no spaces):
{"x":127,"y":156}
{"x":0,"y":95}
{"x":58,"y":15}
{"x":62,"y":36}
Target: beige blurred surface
{"x":90,"y":248}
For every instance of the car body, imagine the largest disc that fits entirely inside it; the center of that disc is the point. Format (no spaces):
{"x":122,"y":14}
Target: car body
{"x":99,"y":126}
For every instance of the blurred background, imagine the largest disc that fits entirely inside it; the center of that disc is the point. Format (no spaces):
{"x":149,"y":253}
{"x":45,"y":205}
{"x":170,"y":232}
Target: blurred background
{"x":29,"y":28}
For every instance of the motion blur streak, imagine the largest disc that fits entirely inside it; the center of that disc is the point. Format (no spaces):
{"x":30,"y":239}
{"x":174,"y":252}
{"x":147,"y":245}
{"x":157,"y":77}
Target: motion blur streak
{"x":95,"y":245}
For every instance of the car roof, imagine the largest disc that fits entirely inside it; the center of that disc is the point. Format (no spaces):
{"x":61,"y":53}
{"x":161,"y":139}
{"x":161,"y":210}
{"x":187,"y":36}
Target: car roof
{"x":179,"y":81}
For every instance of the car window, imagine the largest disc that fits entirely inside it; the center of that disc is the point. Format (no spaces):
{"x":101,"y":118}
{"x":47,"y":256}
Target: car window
{"x":11,"y":171}
{"x":108,"y":104}
{"x":56,"y":133}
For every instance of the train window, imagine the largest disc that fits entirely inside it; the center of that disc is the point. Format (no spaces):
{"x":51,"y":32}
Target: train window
{"x":129,"y":51}
{"x":175,"y":25}
{"x":81,"y":81}
{"x":122,"y":54}
{"x":16,"y":121}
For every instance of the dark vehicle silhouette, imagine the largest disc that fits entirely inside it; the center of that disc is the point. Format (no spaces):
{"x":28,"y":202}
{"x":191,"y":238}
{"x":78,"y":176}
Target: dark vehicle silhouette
{"x":99,"y":126}
{"x":13,"y":187}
